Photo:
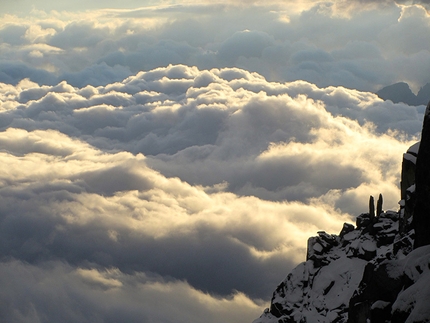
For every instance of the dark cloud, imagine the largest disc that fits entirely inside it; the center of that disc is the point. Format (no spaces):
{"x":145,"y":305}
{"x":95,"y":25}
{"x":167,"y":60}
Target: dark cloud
{"x":76,"y":35}
{"x":208,"y":260}
{"x":150,"y":56}
{"x":56,"y":291}
{"x":13,"y":73}
{"x":116,"y":179}
{"x":246,"y":44}
{"x":96,"y":75}
{"x":13,"y":35}
{"x":85,"y":218}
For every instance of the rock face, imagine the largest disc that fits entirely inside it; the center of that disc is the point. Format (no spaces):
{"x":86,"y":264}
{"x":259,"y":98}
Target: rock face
{"x":375,"y":271}
{"x":320,"y":289}
{"x":407,"y":186}
{"x":421,"y":216}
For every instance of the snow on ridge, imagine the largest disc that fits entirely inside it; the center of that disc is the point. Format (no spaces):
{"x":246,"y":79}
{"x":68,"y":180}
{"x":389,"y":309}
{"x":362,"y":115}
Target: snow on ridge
{"x":321,"y":289}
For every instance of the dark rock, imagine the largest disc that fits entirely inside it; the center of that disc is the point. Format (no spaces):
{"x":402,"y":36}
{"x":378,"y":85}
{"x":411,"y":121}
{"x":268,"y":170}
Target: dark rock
{"x":380,"y":311}
{"x":328,"y":240}
{"x":385,"y":239}
{"x":415,"y":290}
{"x":404,"y":242}
{"x":399,"y":317}
{"x":421,"y":216}
{"x":312,"y":241}
{"x":320,"y":245}
{"x":276,"y":309}
{"x":376,"y":285}
{"x":371,"y":207}
{"x":347,"y":228}
{"x":363,"y":220}
{"x":390,"y":215}
{"x":379,"y":205}
{"x":407,"y":188}
{"x":366,"y":254}
{"x":359,"y":312}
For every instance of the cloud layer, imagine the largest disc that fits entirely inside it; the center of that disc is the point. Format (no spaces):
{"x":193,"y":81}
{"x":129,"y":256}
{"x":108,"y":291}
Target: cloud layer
{"x":167,"y":163}
{"x":363,"y":45}
{"x":59,"y":292}
{"x":180,"y":181}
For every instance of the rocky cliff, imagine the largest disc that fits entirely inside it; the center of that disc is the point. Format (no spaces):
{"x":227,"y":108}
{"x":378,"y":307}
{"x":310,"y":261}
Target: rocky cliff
{"x":375,"y":271}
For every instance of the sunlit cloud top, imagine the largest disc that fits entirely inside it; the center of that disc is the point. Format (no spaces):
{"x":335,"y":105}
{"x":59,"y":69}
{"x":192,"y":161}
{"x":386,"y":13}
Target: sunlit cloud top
{"x":172,"y":158}
{"x":203,"y":183}
{"x":325,"y":43}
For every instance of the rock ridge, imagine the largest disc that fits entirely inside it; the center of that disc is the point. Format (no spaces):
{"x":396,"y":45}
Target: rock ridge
{"x":375,"y":271}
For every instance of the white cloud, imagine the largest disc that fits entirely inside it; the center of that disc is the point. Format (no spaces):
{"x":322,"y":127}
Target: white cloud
{"x":209,"y":127}
{"x":248,"y":170}
{"x":62,"y":199}
{"x":368,"y":48}
{"x":132,"y":185}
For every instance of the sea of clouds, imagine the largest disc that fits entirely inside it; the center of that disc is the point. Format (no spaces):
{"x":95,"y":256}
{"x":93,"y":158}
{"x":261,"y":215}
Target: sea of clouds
{"x":176,"y":185}
{"x":131,"y":192}
{"x":363,"y":45}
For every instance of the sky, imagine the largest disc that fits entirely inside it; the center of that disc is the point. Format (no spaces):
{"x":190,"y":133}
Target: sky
{"x":166,"y":161}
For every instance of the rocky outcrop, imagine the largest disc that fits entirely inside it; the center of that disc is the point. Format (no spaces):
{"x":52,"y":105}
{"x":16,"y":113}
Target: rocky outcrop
{"x":367,"y":273}
{"x":389,"y":288}
{"x":394,"y":290}
{"x":407,"y":188}
{"x":320,"y":289}
{"x":421,"y":216}
{"x":375,"y":271}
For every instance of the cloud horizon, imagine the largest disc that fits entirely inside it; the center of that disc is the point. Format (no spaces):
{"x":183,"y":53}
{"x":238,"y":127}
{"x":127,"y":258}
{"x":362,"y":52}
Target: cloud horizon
{"x":211,"y":180}
{"x":366,"y":50}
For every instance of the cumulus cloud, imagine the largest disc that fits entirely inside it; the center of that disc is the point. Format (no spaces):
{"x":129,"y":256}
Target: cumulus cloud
{"x":215,"y":178}
{"x":64,"y":200}
{"x":127,"y":181}
{"x":366,"y":49}
{"x":210,"y":127}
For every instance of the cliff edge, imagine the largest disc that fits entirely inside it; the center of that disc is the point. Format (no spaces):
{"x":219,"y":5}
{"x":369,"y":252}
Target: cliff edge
{"x":377,"y":270}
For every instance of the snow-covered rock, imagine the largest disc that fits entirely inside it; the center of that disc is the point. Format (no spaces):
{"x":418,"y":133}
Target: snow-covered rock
{"x":320,"y":289}
{"x":374,"y":271}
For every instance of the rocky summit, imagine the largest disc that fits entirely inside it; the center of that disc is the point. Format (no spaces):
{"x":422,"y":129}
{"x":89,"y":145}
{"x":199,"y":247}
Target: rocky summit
{"x":377,"y":270}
